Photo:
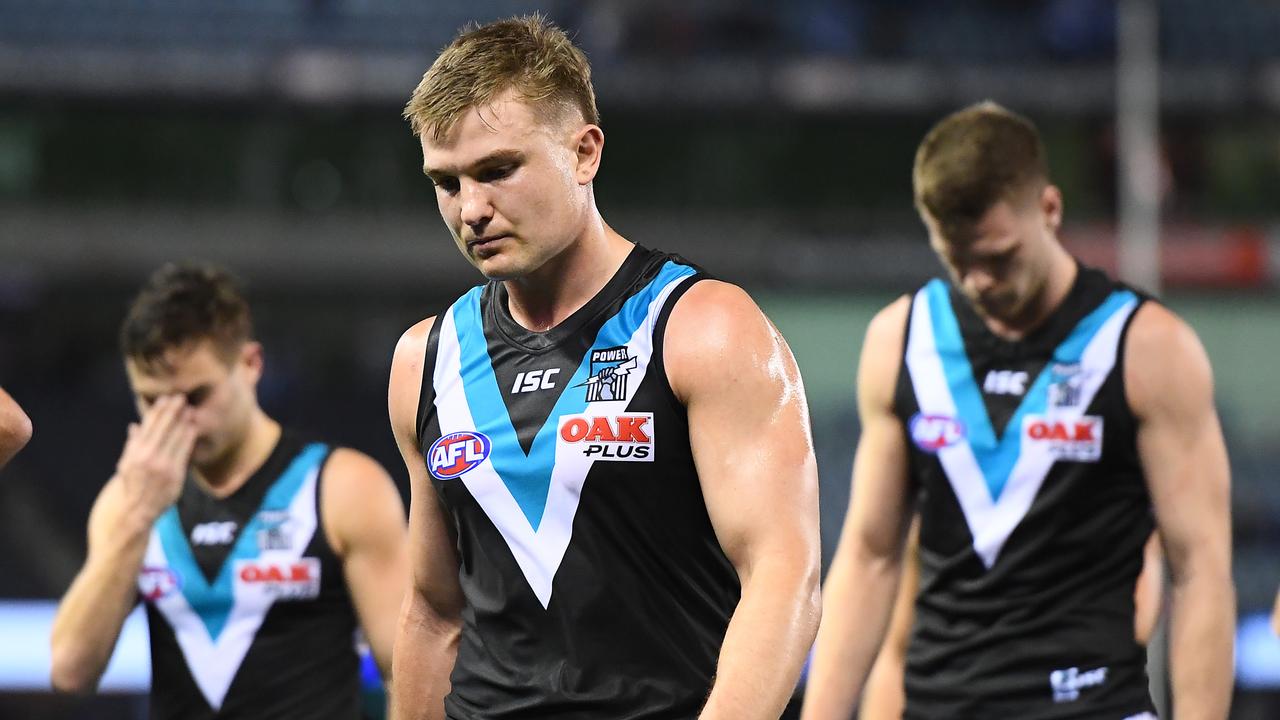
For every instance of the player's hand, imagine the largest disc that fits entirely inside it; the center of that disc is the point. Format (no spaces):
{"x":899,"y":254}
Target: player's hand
{"x":154,"y":463}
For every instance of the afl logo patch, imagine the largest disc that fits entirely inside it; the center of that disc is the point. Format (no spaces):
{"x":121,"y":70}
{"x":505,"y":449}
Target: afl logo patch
{"x":931,"y":433}
{"x":454,"y":454}
{"x":155,"y":582}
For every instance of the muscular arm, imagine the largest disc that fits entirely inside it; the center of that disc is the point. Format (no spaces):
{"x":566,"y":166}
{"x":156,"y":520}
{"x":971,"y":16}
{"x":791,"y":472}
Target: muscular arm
{"x":15,"y":428}
{"x":749,"y":430}
{"x":863,"y":577}
{"x":884,"y":697}
{"x":364,"y":519}
{"x":94,"y":608}
{"x":426,"y":642}
{"x":1148,"y":592}
{"x":1170,"y":388}
{"x":1275,"y":616}
{"x":147,"y":481}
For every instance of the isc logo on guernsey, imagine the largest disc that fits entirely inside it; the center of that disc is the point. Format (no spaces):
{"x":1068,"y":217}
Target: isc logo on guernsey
{"x":456,"y":453}
{"x":626,"y":437}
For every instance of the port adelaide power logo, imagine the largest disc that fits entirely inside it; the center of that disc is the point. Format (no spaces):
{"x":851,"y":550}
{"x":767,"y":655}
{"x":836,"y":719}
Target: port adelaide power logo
{"x":610,"y":373}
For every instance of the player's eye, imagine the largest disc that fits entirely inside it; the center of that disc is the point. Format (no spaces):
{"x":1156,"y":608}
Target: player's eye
{"x":1000,"y":263}
{"x":196,"y":397}
{"x":448,"y":184}
{"x":497,"y":172}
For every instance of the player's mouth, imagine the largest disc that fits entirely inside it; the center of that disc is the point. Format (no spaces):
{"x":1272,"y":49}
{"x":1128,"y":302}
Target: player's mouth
{"x":1006,"y":306}
{"x":996,"y":299}
{"x":485,"y":245}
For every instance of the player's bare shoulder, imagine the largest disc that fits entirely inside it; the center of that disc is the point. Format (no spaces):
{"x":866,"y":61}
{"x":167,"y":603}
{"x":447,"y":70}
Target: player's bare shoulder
{"x":710,"y":308}
{"x":405,"y":383}
{"x":15,"y":427}
{"x":882,"y":352}
{"x":411,"y":348}
{"x":716,"y":326}
{"x":888,"y":327}
{"x":354,"y":489}
{"x":350,"y":472}
{"x":1164,"y":361}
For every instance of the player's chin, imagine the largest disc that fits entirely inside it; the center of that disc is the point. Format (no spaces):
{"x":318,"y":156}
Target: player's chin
{"x":496,"y":274}
{"x":1002,"y":305}
{"x":204,"y":451}
{"x":499,"y":267}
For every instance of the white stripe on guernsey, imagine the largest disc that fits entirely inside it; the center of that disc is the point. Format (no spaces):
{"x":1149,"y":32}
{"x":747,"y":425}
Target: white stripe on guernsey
{"x":537,"y":552}
{"x":1142,"y":716}
{"x":213,"y":665}
{"x":991,"y":523}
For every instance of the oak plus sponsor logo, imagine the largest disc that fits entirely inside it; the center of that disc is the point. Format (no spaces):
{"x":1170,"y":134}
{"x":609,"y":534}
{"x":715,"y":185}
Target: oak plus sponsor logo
{"x":1076,"y":439}
{"x":454,"y":454}
{"x":1068,"y":682}
{"x":214,"y":533}
{"x":280,"y":579}
{"x":624,"y":436}
{"x":155,"y":582}
{"x":931,"y":433}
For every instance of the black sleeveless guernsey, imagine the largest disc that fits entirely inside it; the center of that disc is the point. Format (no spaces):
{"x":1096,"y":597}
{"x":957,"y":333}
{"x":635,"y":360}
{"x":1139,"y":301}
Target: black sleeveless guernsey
{"x":1034,"y":510}
{"x":247,"y":607}
{"x":595,"y":587}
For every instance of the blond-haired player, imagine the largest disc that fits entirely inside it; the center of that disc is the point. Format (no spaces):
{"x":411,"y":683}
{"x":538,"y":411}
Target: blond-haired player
{"x":614,"y":505}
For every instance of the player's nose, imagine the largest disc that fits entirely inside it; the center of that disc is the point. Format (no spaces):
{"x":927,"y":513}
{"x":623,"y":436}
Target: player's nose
{"x":476,"y":207}
{"x":978,"y":281}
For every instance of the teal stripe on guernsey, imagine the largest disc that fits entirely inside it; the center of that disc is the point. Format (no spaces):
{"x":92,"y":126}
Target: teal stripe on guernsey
{"x":528,"y":477}
{"x":213,"y":602}
{"x":996,"y":457}
{"x":959,"y":374}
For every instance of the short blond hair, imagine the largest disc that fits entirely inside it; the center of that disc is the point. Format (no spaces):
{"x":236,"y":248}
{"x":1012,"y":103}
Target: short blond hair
{"x":973,"y":159}
{"x":528,"y":54}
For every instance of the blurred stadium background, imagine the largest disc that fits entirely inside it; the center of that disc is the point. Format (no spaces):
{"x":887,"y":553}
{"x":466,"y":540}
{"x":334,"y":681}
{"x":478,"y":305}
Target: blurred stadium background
{"x":769,"y":141}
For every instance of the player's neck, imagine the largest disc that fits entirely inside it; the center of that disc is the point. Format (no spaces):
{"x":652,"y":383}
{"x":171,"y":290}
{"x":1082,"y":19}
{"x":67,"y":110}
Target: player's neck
{"x":1062,"y":276}
{"x":229,"y":473}
{"x":546,"y":297}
